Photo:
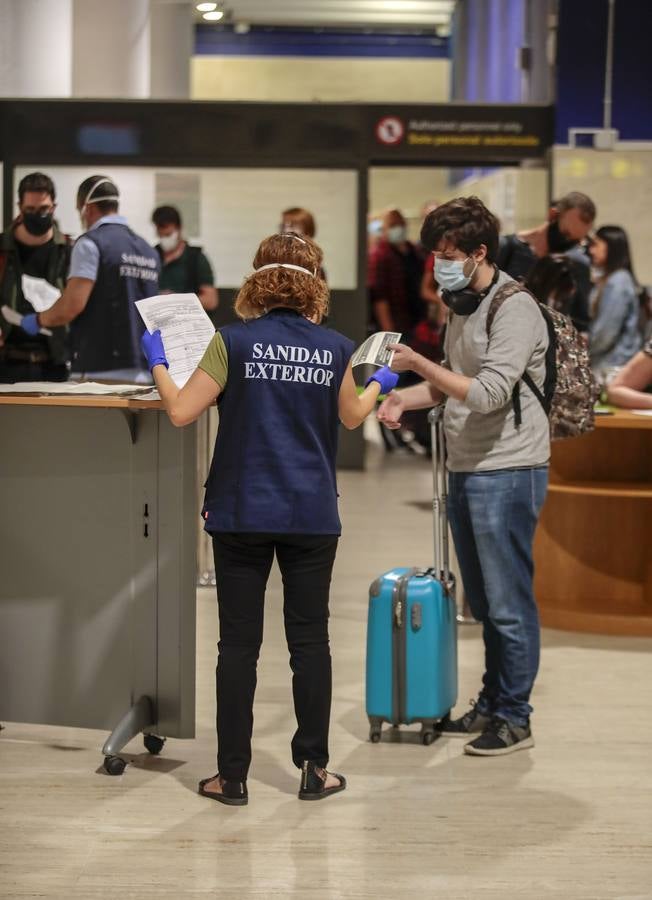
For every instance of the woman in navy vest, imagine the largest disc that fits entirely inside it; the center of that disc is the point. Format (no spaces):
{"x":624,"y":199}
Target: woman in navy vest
{"x":283,"y":383}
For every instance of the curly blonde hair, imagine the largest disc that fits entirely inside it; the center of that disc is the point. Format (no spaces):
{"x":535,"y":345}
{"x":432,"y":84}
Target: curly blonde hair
{"x":307,"y":294}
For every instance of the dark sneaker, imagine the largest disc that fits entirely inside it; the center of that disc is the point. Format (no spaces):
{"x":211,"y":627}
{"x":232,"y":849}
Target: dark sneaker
{"x":500,"y":737}
{"x":472,"y":722}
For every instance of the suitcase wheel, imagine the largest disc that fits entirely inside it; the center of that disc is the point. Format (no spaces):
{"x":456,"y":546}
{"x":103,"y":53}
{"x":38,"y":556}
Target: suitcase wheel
{"x":375,"y":728}
{"x":428,"y":734}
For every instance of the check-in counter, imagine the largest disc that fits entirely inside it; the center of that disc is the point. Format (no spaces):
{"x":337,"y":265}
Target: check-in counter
{"x":98,"y":538}
{"x":593,"y":548}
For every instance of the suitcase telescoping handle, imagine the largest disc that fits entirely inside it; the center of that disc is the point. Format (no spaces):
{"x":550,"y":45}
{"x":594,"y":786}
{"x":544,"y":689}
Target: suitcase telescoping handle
{"x":440,"y":491}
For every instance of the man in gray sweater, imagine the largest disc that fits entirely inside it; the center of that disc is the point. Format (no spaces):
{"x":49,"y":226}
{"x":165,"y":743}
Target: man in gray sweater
{"x":497,"y":460}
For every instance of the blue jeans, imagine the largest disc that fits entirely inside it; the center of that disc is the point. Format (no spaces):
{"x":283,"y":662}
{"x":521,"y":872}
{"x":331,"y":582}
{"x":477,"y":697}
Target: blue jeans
{"x":493,"y":517}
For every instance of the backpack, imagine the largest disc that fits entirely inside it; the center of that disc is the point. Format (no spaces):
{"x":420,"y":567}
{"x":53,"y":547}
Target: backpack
{"x":570,"y":390}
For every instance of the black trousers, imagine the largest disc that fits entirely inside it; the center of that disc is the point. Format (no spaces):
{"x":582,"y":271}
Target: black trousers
{"x":242,"y":566}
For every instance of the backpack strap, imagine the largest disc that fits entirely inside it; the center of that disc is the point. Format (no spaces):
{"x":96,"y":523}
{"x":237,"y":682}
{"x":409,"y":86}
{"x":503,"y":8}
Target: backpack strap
{"x":503,"y":293}
{"x":194,"y":256}
{"x":6,"y":244}
{"x":507,"y":290}
{"x":4,"y":256}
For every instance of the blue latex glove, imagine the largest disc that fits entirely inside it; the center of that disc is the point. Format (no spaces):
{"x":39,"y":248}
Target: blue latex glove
{"x":30,"y":324}
{"x":152,"y":347}
{"x":385,"y":378}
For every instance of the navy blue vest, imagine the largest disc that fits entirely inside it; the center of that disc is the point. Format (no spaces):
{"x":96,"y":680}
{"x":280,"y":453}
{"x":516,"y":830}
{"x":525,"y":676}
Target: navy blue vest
{"x":273,"y":469}
{"x":107,"y":334}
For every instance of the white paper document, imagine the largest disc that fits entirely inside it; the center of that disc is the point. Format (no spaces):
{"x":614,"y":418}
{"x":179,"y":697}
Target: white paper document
{"x":185,"y":328}
{"x":74,"y":388}
{"x":15,"y":318}
{"x":374,"y":351}
{"x":641,"y":412}
{"x":40,"y":293}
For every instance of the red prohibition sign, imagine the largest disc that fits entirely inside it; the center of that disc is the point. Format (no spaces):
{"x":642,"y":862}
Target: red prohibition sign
{"x":390,"y":130}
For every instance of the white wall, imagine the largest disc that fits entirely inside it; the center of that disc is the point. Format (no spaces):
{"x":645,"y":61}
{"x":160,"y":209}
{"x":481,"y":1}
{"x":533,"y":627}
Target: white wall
{"x":35,"y":48}
{"x":307,"y":79}
{"x":236,"y":209}
{"x":620,"y":184}
{"x":517,"y":196}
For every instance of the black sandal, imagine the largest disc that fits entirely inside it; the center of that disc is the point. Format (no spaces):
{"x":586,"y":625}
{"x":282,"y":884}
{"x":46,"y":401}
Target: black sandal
{"x":313,"y":779}
{"x":234,"y":793}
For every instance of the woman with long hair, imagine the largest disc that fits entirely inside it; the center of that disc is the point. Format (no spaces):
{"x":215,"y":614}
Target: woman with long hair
{"x":614,"y":335}
{"x":283,"y":383}
{"x":552,"y":283}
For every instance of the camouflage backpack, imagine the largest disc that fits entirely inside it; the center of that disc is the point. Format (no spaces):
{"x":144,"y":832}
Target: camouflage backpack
{"x":569,"y":390}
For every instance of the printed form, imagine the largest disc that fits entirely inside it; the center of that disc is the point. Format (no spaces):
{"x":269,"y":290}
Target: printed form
{"x":185,"y":328}
{"x":374,"y":351}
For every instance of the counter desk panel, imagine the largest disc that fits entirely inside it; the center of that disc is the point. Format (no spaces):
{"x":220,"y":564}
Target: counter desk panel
{"x":593,"y":559}
{"x":98,"y":566}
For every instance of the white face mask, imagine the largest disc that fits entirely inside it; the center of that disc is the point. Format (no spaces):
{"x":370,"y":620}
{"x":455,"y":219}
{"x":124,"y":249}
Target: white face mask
{"x":450,"y":276}
{"x":397,"y":234}
{"x":170,"y":242}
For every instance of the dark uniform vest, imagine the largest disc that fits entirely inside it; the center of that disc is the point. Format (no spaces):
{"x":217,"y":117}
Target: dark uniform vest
{"x":11,"y":292}
{"x":273,"y":469}
{"x":107,"y":334}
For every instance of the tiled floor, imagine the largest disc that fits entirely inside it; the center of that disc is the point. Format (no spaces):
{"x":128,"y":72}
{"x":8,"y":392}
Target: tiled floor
{"x":570,"y":819}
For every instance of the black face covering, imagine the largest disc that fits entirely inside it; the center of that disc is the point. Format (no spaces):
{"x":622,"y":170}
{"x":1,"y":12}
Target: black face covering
{"x":557,"y":242}
{"x":37,"y":224}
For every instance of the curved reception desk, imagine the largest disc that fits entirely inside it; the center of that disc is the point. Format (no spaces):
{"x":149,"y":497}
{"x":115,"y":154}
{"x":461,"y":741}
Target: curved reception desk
{"x":593,"y":548}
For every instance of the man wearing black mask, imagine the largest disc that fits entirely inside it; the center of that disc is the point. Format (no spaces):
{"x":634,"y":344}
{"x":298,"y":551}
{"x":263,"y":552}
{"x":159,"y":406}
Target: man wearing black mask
{"x":569,"y":222}
{"x":32,"y":245}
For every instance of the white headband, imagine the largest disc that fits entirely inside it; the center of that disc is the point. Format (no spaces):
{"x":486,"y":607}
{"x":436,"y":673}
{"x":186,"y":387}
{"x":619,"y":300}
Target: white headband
{"x":294,"y":236}
{"x":287,"y":266}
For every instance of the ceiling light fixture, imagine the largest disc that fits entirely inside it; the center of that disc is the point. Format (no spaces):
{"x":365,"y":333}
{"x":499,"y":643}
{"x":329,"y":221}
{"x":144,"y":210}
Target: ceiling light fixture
{"x":214,"y":16}
{"x":206,"y":7}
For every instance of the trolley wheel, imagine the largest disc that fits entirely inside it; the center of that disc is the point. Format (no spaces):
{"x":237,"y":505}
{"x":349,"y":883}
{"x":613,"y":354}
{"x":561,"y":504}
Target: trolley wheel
{"x":153,"y":743}
{"x":114,"y":765}
{"x":427,"y":738}
{"x":374,"y":735}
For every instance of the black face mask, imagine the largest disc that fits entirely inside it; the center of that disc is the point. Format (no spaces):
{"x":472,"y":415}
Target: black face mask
{"x":558,"y":242}
{"x":36,"y":224}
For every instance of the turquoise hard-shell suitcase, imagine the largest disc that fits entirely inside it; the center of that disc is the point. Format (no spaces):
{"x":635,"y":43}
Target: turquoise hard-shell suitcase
{"x":412,"y":630}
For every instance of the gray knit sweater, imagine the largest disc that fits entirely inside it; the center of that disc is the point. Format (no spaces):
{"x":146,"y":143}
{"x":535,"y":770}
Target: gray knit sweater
{"x":481,"y":433}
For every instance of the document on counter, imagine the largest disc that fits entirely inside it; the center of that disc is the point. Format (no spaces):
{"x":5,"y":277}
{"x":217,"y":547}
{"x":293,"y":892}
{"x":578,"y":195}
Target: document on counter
{"x":374,"y":351}
{"x":40,"y":293}
{"x":185,"y":328}
{"x":74,"y":388}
